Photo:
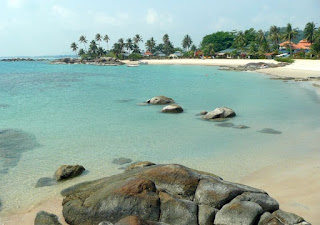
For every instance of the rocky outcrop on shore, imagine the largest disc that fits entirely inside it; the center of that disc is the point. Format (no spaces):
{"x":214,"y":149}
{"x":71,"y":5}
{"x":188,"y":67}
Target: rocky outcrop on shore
{"x":254,"y":66}
{"x":170,"y":194}
{"x":21,"y":60}
{"x":103,"y":61}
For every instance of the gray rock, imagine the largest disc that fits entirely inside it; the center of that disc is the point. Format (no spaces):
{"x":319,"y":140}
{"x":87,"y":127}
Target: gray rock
{"x":160,"y":100}
{"x":246,"y":213}
{"x":269,"y":131}
{"x":45,"y":181}
{"x":267,"y":203}
{"x":139,"y":165}
{"x":217,"y":193}
{"x":68,"y":171}
{"x":111,"y":200}
{"x":269,"y":219}
{"x":124,"y":100}
{"x":287,"y":218}
{"x":221,"y":112}
{"x":206,"y":215}
{"x":106,"y":223}
{"x":225,"y":125}
{"x":121,"y":161}
{"x":240,"y":127}
{"x":177,"y":211}
{"x":202,"y":113}
{"x":172,"y":109}
{"x":44,"y":218}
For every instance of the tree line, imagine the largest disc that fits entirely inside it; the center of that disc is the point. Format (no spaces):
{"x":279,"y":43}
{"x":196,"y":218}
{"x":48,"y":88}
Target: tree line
{"x":250,"y":41}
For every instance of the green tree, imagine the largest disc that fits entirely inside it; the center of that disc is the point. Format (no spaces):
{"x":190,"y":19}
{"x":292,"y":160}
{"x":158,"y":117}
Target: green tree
{"x":165,"y":39}
{"x":151,"y":44}
{"x":81,"y":52}
{"x":129,"y":44}
{"x":93,"y":49}
{"x":121,"y":43}
{"x":137,"y":39}
{"x":221,"y":40}
{"x":261,"y":37}
{"x":98,"y":38}
{"x":240,"y":41}
{"x":208,"y":50}
{"x":83,"y":41}
{"x":186,"y":42}
{"x":74,"y":47}
{"x":250,"y":35}
{"x":315,"y":47}
{"x":193,"y":48}
{"x":310,"y":32}
{"x":274,"y":34}
{"x":117,"y":49}
{"x":289,"y":35}
{"x":106,"y":39}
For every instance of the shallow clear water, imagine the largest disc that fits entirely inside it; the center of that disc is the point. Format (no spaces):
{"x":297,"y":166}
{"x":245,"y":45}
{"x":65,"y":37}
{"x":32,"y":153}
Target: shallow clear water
{"x":80,"y":114}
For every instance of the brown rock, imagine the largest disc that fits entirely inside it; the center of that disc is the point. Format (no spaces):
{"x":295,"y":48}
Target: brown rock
{"x":68,"y":171}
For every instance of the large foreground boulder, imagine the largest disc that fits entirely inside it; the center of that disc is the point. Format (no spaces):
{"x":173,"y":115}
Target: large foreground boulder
{"x":169,"y":194}
{"x":172,"y":109}
{"x":68,"y":171}
{"x":160,"y":100}
{"x":221,"y":112}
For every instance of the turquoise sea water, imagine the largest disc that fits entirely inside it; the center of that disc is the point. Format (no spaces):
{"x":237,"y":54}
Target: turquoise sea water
{"x":80,"y":114}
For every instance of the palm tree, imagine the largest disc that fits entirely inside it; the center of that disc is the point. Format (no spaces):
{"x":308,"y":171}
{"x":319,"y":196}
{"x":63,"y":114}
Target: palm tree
{"x":98,"y":38}
{"x":187,"y":42}
{"x":106,"y":39}
{"x":81,"y":52}
{"x":137,"y":39}
{"x":165,"y":39}
{"x":289,"y":35}
{"x":128,"y":44}
{"x":274,"y":34}
{"x":74,"y":47}
{"x":260,"y":37}
{"x":208,"y":50}
{"x":93,"y":49}
{"x":151,"y":44}
{"x":310,"y":32}
{"x":121,"y":43}
{"x":83,"y":40}
{"x":240,"y":41}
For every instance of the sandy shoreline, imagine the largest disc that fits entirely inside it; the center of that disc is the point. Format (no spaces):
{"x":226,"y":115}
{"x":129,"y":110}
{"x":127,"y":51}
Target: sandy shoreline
{"x":294,"y":182}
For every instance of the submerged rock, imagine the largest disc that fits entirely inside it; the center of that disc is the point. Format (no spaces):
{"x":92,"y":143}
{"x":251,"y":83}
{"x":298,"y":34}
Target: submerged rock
{"x":172,"y":109}
{"x":202,"y":113}
{"x":240,"y":127}
{"x":139,"y":165}
{"x":160,"y":100}
{"x":12,"y":144}
{"x":45,"y":181}
{"x":68,"y":171}
{"x":168,"y":194}
{"x":221,"y":112}
{"x":121,"y":161}
{"x":124,"y":100}
{"x":225,"y":125}
{"x":269,"y":131}
{"x":44,"y":218}
{"x":4,"y":105}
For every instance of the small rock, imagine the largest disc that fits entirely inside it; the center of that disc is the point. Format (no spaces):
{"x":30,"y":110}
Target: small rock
{"x":124,"y":100}
{"x":238,"y":213}
{"x":139,"y":165}
{"x":240,"y":127}
{"x":44,"y":218}
{"x":121,"y":161}
{"x":287,"y":218}
{"x":269,"y":131}
{"x":4,"y":105}
{"x":160,"y":100}
{"x":142,"y":104}
{"x":172,"y":109}
{"x":68,"y":171}
{"x":225,"y":125}
{"x":202,"y":113}
{"x":269,"y":219}
{"x":45,"y":181}
{"x":206,"y":214}
{"x":221,"y":112}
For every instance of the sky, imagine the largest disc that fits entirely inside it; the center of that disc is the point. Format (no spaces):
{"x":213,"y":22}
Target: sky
{"x":48,"y":27}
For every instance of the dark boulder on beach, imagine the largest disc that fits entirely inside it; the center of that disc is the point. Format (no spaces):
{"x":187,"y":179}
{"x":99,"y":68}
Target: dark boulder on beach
{"x":68,"y":171}
{"x":172,"y":109}
{"x":160,"y":100}
{"x":44,"y":218}
{"x":169,"y":194}
{"x":221,"y":112}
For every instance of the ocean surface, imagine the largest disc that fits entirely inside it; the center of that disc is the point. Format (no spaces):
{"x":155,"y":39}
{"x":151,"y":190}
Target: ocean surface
{"x":52,"y":115}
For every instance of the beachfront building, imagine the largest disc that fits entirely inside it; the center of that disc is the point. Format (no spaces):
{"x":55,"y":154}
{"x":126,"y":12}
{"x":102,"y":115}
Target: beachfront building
{"x":198,"y":53}
{"x":178,"y":53}
{"x":148,"y":54}
{"x":228,"y":53}
{"x":302,"y":45}
{"x":159,"y":54}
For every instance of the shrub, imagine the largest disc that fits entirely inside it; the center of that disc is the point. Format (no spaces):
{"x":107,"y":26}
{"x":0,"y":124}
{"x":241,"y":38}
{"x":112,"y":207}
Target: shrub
{"x":135,"y":56}
{"x":287,"y":60}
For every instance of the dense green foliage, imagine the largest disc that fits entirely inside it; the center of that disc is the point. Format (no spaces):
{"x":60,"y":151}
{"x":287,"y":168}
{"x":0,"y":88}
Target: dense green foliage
{"x":221,"y":40}
{"x":135,"y":56}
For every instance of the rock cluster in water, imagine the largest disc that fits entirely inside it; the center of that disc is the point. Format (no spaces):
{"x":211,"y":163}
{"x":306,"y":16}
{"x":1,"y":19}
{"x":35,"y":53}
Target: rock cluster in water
{"x":170,"y":194}
{"x":103,"y":61}
{"x":21,"y":59}
{"x":218,"y":113}
{"x":254,"y":66}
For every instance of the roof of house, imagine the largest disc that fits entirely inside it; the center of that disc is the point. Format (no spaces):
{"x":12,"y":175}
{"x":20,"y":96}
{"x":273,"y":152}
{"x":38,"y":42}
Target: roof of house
{"x":303,"y":44}
{"x":148,"y":53}
{"x":229,"y":50}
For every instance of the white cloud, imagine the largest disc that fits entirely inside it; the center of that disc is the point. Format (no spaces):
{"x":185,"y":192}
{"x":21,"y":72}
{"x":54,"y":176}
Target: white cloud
{"x":152,"y":16}
{"x":15,"y":3}
{"x":105,"y":19}
{"x":62,"y":12}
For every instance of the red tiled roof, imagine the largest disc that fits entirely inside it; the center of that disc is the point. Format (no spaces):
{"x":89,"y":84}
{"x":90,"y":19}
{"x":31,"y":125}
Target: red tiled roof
{"x":303,"y":44}
{"x":148,"y":53}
